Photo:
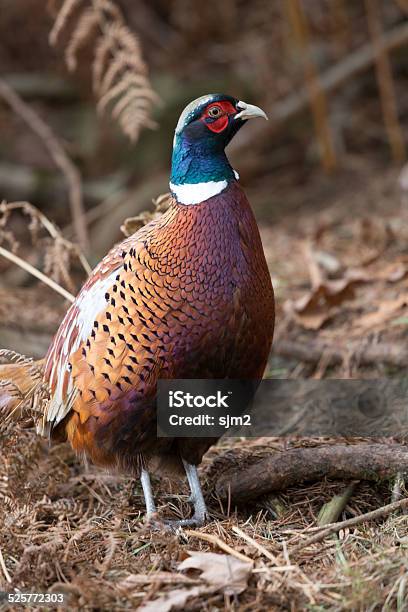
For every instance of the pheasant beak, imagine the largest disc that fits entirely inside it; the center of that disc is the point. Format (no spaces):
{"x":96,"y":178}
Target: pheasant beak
{"x":249,"y":111}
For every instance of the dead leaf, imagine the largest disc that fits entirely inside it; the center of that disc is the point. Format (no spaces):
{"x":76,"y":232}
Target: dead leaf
{"x":393,"y":272}
{"x":313,"y":320}
{"x":222,"y":573}
{"x":175,"y":599}
{"x":386,"y":311}
{"x":316,"y":307}
{"x":225,"y":572}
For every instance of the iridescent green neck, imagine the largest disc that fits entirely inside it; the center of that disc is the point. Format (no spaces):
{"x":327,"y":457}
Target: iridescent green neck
{"x":199,"y":161}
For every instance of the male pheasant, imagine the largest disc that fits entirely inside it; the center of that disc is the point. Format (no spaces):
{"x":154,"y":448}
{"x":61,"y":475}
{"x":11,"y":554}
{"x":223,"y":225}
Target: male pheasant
{"x":187,"y":296}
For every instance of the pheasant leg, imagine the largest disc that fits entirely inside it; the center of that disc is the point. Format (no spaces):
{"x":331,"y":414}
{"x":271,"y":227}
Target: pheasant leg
{"x":148,"y":493}
{"x":200,"y":509}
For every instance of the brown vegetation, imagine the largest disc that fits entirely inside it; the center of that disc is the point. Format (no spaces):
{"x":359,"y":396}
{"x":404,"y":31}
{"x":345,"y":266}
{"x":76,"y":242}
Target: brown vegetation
{"x":336,"y":247}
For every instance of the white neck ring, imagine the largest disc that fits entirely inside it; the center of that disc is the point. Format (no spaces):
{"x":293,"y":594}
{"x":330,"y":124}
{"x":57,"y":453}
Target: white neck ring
{"x":194,"y":193}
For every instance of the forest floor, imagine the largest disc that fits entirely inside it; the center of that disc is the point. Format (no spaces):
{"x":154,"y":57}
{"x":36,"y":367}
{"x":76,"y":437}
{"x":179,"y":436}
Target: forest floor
{"x":341,"y":279}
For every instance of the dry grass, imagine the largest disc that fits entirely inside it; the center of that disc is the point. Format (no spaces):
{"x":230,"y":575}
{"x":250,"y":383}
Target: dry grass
{"x":81,"y":531}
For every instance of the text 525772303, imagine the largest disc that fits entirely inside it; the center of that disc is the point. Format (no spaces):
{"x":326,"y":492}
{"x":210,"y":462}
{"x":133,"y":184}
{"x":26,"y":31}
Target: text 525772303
{"x":31,"y":598}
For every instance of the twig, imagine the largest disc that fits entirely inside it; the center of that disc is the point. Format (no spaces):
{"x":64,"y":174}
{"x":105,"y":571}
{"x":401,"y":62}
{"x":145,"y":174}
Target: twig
{"x":356,"y":520}
{"x":385,"y":82}
{"x":330,"y":512}
{"x":42,"y":277}
{"x":316,"y":93}
{"x":4,"y":568}
{"x":255,"y":544}
{"x":212,"y":539}
{"x":56,"y":151}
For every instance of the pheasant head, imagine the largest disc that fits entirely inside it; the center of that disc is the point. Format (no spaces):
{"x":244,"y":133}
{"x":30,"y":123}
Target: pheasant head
{"x":200,"y":167}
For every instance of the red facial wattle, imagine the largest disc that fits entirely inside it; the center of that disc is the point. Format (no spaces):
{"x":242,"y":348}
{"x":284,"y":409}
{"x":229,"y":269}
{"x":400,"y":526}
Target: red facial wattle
{"x":219,"y":124}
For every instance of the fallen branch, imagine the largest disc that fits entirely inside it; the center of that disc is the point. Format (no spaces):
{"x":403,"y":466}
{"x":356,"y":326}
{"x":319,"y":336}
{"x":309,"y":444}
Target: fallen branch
{"x":313,"y":350}
{"x":247,"y":475}
{"x":356,"y":520}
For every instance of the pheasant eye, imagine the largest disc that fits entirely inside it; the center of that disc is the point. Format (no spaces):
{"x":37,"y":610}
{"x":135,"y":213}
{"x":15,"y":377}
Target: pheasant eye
{"x":214,"y":112}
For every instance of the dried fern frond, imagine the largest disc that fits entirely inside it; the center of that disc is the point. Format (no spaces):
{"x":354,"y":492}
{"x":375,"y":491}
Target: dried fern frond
{"x":87,"y":26}
{"x":8,"y":356}
{"x":23,"y":392}
{"x":120,"y":78}
{"x":64,"y":14}
{"x":58,"y":252}
{"x":33,"y":368}
{"x":132,"y":224}
{"x":9,"y":388}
